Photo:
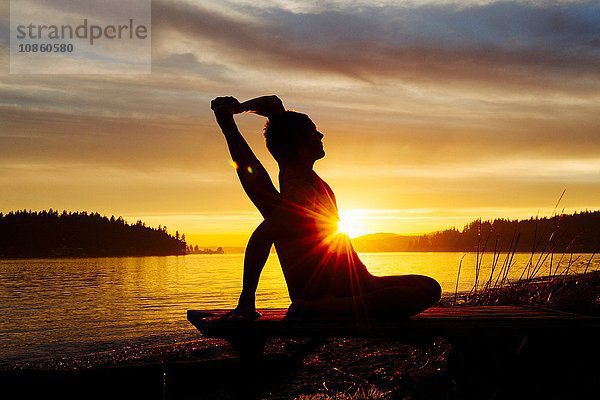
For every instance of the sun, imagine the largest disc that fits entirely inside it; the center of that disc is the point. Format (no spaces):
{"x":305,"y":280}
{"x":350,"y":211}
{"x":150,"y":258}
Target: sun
{"x":350,"y":223}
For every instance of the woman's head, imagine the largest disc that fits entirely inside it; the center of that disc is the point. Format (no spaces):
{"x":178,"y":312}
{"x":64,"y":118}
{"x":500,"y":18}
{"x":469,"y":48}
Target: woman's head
{"x":293,"y":137}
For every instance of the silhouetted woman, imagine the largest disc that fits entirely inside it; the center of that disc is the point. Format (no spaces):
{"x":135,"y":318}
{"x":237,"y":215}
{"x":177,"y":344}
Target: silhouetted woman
{"x":324,"y":274}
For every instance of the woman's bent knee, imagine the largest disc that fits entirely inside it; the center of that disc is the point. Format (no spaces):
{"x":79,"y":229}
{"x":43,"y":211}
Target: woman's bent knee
{"x":432,"y":289}
{"x":423,"y":287}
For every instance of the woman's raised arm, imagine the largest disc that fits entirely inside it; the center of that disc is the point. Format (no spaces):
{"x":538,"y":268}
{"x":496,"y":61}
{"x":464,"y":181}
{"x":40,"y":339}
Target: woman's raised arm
{"x":267,"y":106}
{"x":254,"y":177}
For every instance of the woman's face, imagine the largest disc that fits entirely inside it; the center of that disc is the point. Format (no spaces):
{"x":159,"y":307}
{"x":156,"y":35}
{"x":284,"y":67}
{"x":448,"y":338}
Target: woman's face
{"x":313,"y":142}
{"x":300,"y":140}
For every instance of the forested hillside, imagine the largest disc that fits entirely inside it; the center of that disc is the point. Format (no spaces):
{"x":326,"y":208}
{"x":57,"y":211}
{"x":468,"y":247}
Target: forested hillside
{"x":579,"y":232}
{"x":30,"y":234}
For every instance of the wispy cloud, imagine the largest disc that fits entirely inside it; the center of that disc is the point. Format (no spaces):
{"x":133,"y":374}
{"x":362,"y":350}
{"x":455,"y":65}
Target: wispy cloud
{"x":555,"y":170}
{"x":497,"y":43}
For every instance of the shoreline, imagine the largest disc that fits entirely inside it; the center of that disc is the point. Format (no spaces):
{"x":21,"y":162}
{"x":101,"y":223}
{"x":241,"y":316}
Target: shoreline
{"x":340,"y":368}
{"x":579,"y":296}
{"x":595,"y":254}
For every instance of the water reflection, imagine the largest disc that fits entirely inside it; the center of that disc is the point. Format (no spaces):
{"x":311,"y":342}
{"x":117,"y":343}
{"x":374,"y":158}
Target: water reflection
{"x":61,"y":307}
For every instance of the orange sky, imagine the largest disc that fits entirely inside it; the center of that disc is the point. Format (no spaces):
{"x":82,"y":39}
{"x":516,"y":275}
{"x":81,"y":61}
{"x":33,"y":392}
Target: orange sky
{"x":434,"y":114}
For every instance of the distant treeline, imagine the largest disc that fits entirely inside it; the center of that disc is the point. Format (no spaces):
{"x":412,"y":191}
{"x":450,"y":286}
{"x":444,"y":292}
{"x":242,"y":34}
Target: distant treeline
{"x":31,"y":234}
{"x":579,"y":232}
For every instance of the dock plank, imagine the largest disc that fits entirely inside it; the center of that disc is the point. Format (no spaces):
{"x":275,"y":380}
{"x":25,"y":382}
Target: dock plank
{"x":489,"y":320}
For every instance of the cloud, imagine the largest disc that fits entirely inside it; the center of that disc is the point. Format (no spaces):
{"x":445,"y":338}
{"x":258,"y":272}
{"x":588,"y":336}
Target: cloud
{"x":544,"y":47}
{"x":39,"y":136}
{"x":188,"y":63}
{"x":435,"y":57}
{"x":152,"y":95}
{"x":586,"y":171}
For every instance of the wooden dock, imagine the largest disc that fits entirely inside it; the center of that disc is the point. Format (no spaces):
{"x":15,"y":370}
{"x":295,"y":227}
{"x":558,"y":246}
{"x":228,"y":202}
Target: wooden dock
{"x":438,"y":321}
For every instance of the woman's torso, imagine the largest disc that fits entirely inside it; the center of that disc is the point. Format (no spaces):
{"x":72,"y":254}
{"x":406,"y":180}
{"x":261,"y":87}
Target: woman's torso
{"x":319,"y":260}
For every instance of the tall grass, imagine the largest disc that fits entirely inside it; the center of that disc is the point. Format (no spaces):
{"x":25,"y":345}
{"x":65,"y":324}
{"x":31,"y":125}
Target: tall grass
{"x":562,"y":283}
{"x":360,"y":393}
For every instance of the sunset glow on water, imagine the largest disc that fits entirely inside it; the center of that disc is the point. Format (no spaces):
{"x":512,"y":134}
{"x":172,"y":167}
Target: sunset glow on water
{"x":66,"y":307}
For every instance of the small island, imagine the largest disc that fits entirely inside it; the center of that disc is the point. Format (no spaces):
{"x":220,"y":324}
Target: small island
{"x":43,"y":234}
{"x":197,"y":250}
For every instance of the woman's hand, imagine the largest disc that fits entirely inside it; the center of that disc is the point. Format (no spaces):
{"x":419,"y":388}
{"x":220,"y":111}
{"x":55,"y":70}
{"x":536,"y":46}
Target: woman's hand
{"x":224,"y":108}
{"x":226,"y":103}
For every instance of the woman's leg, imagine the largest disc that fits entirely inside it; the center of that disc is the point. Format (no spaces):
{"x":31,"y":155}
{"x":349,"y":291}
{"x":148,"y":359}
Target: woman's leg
{"x":403,"y":295}
{"x":384,"y":297}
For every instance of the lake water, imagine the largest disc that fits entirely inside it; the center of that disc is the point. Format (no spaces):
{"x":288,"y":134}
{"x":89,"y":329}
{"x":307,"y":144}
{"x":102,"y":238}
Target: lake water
{"x":51,"y":308}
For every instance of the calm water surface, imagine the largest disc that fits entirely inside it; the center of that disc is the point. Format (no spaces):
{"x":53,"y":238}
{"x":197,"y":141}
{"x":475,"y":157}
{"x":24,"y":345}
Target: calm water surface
{"x":53,"y":308}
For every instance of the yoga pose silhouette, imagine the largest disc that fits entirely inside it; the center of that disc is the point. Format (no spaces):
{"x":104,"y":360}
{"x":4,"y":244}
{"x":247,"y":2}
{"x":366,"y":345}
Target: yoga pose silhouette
{"x":324,"y":274}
